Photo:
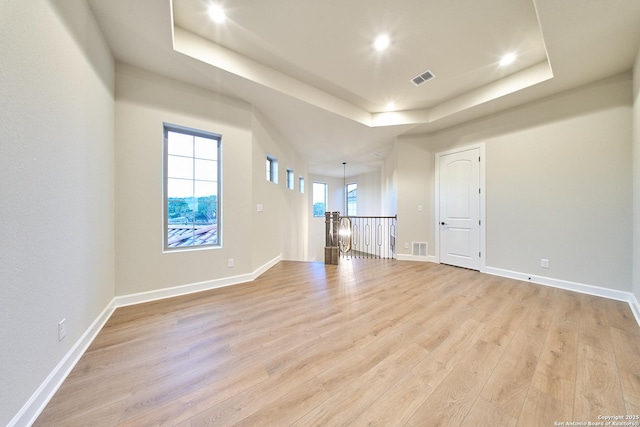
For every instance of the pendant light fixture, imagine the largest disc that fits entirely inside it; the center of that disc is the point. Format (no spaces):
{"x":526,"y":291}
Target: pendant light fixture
{"x":345,"y":222}
{"x":344,"y":186}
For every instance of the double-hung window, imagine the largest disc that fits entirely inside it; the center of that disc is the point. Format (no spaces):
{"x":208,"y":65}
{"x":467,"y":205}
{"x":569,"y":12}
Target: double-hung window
{"x":191,"y":188}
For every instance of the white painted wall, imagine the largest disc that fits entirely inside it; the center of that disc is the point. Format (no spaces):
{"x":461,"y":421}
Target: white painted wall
{"x":370,"y":193}
{"x":559,"y":179}
{"x":415,"y":180}
{"x":390,"y":183}
{"x":251,"y":238}
{"x":636,"y":178}
{"x":63,"y":174}
{"x":143,"y":102}
{"x":56,"y":184}
{"x":282,"y":227}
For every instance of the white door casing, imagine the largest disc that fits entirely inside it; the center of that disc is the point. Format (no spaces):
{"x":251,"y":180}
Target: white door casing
{"x":460,"y":207}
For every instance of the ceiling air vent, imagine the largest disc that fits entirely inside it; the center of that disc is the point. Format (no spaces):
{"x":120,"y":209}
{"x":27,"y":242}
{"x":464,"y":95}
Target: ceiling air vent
{"x":423,"y":78}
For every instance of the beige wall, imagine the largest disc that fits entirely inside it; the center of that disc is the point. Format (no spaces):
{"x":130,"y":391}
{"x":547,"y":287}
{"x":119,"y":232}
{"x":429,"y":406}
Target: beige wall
{"x":251,"y":238}
{"x":636,"y":178}
{"x":558,"y":175}
{"x":390,"y":183}
{"x":281,"y":228}
{"x":84,"y":172}
{"x":143,"y":102}
{"x":370,"y":195}
{"x":56,"y":181}
{"x":415,"y":192}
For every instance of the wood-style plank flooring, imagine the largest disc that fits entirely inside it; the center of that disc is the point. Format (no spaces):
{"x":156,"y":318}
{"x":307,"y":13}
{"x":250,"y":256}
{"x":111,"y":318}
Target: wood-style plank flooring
{"x":368,"y":342}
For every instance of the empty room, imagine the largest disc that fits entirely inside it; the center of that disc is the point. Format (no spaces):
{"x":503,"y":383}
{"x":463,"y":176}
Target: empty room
{"x":284,"y":212}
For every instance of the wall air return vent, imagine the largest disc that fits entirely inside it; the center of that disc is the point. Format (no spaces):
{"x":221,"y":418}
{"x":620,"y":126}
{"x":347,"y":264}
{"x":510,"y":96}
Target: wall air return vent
{"x":419,"y":249}
{"x":423,"y":78}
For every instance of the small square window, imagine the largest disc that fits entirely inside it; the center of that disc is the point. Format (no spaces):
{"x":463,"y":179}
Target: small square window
{"x":272,"y":169}
{"x":290,"y":179}
{"x":301,"y":184}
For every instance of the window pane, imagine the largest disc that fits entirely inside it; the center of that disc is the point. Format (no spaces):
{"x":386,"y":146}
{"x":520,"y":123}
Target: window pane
{"x":179,"y":211}
{"x":272,"y":169}
{"x":192,"y":184}
{"x":180,"y":144}
{"x":319,"y":198}
{"x":206,"y":170}
{"x":352,"y":196}
{"x":290,"y":178}
{"x":206,"y":148}
{"x":206,"y":211}
{"x":179,"y":188}
{"x":318,"y":192}
{"x":179,"y":167}
{"x":205,"y":188}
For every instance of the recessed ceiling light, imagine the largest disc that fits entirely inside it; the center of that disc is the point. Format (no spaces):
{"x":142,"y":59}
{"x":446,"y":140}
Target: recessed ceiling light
{"x":382,"y":42}
{"x":391,"y":106}
{"x":508,"y":59}
{"x":216,"y":13}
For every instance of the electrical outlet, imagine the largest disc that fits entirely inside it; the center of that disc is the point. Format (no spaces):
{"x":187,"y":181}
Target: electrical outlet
{"x":230,"y":263}
{"x":544,"y":263}
{"x":406,"y":246}
{"x":62,"y":329}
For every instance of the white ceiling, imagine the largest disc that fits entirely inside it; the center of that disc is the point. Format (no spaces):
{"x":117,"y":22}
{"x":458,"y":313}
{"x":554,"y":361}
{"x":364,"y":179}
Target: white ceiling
{"x":309,"y":66}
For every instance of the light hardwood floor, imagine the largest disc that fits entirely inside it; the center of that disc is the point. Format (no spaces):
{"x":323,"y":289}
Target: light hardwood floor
{"x":368,"y":342}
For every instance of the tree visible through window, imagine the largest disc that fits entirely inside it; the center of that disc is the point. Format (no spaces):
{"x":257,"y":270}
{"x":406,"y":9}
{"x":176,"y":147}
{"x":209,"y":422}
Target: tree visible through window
{"x":191,"y":188}
{"x":319,"y":198}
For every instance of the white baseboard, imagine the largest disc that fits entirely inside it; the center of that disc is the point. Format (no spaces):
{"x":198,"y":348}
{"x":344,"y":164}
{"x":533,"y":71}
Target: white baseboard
{"x":142,"y":297}
{"x":635,"y":307}
{"x":39,"y":400}
{"x":627,"y":297}
{"x":260,"y":270}
{"x":598,"y":291}
{"x":36,"y":404}
{"x":409,"y":257}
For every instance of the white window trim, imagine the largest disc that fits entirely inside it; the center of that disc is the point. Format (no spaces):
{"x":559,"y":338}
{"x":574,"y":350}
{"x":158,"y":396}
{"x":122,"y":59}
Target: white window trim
{"x":167,"y":127}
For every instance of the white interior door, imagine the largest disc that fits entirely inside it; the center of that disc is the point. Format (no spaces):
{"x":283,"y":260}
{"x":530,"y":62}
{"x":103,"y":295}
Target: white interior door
{"x":459,"y":208}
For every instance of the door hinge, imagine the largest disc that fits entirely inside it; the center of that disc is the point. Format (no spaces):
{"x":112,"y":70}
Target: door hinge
{"x":479,"y":190}
{"x":479,"y":254}
{"x":479,"y":222}
{"x":478,"y":158}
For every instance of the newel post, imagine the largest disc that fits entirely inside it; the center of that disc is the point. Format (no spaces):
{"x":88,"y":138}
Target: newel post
{"x":331,"y":220}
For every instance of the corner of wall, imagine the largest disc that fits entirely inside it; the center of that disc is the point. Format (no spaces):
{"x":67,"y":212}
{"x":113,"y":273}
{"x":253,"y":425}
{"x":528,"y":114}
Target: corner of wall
{"x":635,"y":274}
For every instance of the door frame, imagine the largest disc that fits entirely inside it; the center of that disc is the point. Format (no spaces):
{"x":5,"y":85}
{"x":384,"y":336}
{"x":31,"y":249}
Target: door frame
{"x":483,"y":194}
